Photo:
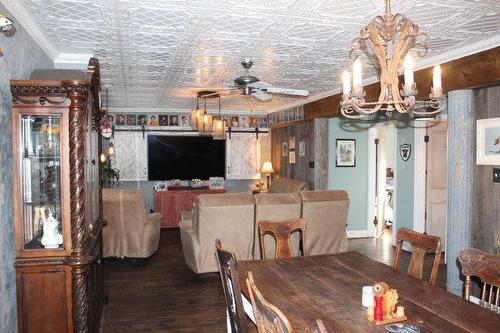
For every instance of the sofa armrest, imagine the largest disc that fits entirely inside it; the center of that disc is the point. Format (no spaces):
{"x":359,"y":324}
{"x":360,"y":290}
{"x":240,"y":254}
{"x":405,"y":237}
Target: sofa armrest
{"x":153,"y":218}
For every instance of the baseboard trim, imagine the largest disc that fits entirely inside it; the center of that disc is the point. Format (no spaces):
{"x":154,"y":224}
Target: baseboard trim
{"x":357,"y":234}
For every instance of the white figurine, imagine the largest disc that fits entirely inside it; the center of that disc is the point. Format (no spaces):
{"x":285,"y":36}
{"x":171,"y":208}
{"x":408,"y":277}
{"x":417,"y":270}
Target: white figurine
{"x":51,"y":238}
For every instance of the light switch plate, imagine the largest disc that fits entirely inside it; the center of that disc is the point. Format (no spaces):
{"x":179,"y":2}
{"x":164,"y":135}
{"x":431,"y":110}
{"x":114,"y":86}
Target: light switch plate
{"x":496,"y":175}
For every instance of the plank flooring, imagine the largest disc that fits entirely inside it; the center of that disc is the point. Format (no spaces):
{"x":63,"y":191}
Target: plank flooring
{"x":161,"y":294}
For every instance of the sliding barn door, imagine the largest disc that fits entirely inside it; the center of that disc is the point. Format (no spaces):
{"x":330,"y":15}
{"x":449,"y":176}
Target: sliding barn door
{"x":242,"y":156}
{"x":131,"y":155}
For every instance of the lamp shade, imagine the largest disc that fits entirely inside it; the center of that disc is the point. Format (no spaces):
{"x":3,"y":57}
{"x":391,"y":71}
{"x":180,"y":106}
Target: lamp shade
{"x":267,"y":168}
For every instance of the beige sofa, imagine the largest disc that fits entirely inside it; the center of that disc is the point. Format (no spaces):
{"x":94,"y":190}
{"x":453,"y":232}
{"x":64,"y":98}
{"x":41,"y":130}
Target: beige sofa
{"x":326,"y":216}
{"x":233,"y":218}
{"x":275,"y":206}
{"x":129,"y":232}
{"x":287,"y":185}
{"x":228,"y":217}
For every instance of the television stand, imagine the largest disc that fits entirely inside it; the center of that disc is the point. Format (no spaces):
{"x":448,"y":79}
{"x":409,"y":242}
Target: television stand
{"x":173,"y":202}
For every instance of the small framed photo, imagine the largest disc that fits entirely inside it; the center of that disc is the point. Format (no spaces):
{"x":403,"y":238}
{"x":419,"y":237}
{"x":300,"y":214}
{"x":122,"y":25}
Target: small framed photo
{"x":301,"y":112}
{"x":216,"y":183}
{"x":153,"y":120}
{"x":263,"y":122}
{"x":291,"y":157}
{"x":284,"y":149}
{"x":120,"y":119}
{"x":163,"y":120}
{"x":254,"y":121}
{"x":173,"y":120}
{"x":302,"y":149}
{"x":346,"y":153}
{"x":131,"y":120}
{"x":243,"y":121}
{"x":142,"y":120}
{"x":184,"y":121}
{"x":488,"y":142}
{"x":292,"y":143}
{"x":234,"y":121}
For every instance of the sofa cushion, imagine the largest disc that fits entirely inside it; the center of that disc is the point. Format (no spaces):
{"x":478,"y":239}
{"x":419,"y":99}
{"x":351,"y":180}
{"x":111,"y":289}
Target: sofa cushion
{"x":326,"y":214}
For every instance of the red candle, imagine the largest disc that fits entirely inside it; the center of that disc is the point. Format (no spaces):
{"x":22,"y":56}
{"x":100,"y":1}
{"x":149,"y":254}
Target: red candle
{"x":378,"y":314}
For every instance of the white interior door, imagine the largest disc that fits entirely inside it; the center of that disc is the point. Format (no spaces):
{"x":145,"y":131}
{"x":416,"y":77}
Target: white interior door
{"x":437,"y":172}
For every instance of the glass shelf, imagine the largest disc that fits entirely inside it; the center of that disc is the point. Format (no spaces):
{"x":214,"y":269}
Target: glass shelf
{"x":41,"y":181}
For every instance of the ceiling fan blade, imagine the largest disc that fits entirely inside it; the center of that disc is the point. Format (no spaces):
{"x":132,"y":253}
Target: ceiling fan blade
{"x":258,"y":85}
{"x":261,"y":96}
{"x":286,"y":91}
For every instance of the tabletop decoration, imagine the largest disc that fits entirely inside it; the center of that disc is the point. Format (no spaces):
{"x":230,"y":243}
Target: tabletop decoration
{"x":384,"y":310}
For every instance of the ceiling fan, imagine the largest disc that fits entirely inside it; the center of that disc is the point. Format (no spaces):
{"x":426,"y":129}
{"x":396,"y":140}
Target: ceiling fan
{"x":251,"y":86}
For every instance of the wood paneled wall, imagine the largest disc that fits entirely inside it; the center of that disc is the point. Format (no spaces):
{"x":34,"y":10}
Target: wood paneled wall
{"x":313,"y":167}
{"x":486,"y":201}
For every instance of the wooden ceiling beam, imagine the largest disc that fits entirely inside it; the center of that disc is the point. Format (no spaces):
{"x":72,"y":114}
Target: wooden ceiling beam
{"x":474,"y":71}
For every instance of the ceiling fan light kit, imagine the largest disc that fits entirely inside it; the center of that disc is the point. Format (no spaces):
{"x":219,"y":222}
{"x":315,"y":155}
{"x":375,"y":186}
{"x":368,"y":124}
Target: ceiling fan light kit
{"x":389,"y":38}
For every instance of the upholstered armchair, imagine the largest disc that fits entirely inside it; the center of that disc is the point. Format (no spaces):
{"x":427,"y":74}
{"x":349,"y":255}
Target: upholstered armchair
{"x":130,"y":232}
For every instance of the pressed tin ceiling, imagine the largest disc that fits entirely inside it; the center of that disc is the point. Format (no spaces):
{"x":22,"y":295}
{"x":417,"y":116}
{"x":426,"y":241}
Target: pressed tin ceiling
{"x":157,"y":54}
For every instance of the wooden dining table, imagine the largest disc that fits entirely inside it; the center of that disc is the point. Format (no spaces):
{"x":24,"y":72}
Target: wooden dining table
{"x":328,"y":287}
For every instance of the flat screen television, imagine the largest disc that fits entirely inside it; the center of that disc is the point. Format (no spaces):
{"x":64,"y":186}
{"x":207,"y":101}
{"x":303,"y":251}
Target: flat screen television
{"x":185,"y":157}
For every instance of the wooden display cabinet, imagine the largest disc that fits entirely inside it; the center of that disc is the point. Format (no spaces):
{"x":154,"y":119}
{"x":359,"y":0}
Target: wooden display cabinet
{"x":57,"y":201}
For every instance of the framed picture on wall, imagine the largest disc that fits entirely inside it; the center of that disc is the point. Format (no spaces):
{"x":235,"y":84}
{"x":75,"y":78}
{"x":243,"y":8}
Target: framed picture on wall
{"x":302,"y":149}
{"x":488,"y":141}
{"x":345,"y":153}
{"x":284,"y":149}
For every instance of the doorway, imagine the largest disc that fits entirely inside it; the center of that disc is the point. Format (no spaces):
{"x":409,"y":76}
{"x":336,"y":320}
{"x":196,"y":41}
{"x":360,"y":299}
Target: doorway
{"x":381,"y":178}
{"x":431,"y":178}
{"x":436,"y":180}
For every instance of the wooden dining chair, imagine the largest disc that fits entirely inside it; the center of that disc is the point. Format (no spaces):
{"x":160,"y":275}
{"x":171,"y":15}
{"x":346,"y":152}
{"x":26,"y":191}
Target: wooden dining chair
{"x":269,"y":318}
{"x":281,"y":231}
{"x":231,"y":288}
{"x":421,"y":244}
{"x":486,"y":267}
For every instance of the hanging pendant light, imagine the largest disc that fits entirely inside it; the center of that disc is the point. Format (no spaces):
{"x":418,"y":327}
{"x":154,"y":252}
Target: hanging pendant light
{"x":206,"y":121}
{"x":195,"y":115}
{"x":219,"y":126}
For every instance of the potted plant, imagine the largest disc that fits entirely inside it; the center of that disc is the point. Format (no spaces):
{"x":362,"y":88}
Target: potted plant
{"x":109,"y":176}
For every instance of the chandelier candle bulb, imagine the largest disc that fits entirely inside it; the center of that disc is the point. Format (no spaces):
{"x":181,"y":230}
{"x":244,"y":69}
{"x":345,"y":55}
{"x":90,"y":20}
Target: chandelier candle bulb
{"x":346,"y":81}
{"x":436,"y":79}
{"x":408,"y":71}
{"x":356,"y":74}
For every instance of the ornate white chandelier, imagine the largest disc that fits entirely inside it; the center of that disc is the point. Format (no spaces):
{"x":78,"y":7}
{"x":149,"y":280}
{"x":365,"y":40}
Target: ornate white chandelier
{"x":388,"y":39}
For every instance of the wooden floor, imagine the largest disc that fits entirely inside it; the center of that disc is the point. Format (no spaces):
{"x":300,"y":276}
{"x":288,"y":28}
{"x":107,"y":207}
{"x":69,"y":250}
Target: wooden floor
{"x":162,"y":294}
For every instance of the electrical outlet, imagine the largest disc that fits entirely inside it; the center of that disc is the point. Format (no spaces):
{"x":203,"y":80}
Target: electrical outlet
{"x":496,"y":175}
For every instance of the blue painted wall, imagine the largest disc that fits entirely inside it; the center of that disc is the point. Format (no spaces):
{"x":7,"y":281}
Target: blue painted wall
{"x":22,"y":55}
{"x":355,"y":180}
{"x":405,"y":179}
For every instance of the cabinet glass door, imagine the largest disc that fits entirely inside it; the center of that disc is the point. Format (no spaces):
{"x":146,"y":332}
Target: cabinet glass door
{"x":41,"y":181}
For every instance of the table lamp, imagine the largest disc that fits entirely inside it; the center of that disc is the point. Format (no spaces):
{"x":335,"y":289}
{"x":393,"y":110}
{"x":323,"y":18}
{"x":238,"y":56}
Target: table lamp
{"x":267,"y":168}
